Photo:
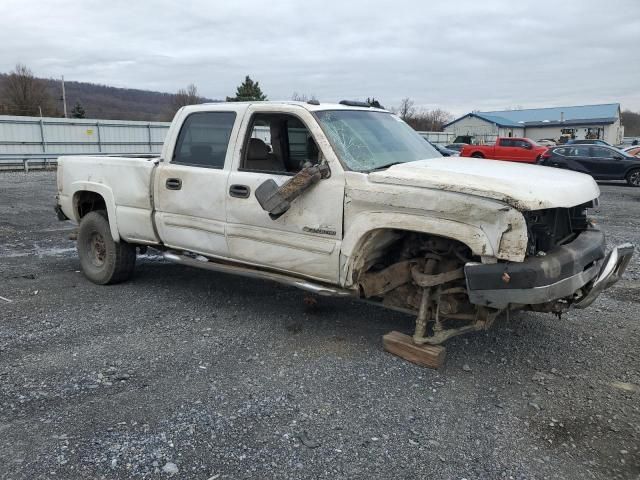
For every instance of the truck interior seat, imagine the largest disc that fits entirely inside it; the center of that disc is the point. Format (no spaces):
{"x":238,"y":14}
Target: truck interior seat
{"x":259,"y":158}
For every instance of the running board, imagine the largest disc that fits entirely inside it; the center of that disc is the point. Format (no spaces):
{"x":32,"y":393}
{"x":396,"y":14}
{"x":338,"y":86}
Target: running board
{"x":317,"y":288}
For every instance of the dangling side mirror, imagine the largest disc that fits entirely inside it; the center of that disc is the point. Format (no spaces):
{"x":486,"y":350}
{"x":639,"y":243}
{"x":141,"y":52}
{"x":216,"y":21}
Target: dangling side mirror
{"x":277,"y":200}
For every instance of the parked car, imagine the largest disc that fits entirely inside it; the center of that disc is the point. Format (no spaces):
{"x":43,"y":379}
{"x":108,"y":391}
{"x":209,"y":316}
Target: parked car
{"x":633,"y":151}
{"x":546,"y":142}
{"x":507,"y":148}
{"x":599,"y":161}
{"x":444,"y":151}
{"x":587,"y":141}
{"x":455,"y":146}
{"x":350,"y":202}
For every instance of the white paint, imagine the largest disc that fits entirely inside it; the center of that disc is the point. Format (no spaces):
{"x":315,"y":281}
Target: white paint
{"x":526,"y":187}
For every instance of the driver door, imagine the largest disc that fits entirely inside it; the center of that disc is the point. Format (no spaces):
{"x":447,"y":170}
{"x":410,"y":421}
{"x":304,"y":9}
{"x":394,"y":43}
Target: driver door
{"x":306,"y":239}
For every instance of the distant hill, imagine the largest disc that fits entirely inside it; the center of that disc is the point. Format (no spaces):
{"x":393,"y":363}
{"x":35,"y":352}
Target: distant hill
{"x":102,"y":101}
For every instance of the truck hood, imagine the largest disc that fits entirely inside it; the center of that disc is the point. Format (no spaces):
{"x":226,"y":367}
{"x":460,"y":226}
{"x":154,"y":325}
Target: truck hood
{"x":523,"y":186}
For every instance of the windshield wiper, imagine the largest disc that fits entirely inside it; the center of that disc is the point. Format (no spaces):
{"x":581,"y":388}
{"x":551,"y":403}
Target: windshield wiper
{"x":382,"y":167}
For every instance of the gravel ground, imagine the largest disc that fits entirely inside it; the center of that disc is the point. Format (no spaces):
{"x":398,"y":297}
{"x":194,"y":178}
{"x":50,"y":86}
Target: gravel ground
{"x":193,"y":374}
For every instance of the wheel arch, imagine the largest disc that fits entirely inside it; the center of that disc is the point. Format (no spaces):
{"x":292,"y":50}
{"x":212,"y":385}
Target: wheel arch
{"x":377,"y":231}
{"x":91,"y":196}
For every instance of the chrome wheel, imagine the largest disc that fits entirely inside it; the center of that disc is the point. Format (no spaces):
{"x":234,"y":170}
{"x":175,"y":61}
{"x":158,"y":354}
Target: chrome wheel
{"x":634,"y":178}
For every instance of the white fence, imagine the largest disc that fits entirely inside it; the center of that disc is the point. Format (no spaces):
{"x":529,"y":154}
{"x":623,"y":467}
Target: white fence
{"x":41,"y":140}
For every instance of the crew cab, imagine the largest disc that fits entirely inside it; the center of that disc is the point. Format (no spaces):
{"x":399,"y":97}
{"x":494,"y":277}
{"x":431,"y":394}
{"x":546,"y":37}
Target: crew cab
{"x":512,"y":149}
{"x":344,"y":200}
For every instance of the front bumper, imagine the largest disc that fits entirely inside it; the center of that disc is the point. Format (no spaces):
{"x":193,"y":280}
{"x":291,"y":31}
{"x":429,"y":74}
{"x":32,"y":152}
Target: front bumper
{"x":579,"y":267}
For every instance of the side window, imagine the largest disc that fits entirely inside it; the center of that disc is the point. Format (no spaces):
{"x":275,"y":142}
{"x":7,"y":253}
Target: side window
{"x":278,"y":143}
{"x":599,"y":152}
{"x":504,"y":142}
{"x":579,"y":151}
{"x":203,"y":139}
{"x":560,"y":151}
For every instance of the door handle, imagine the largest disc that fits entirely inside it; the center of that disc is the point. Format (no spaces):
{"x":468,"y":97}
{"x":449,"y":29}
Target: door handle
{"x":239,"y":191}
{"x":173,"y":184}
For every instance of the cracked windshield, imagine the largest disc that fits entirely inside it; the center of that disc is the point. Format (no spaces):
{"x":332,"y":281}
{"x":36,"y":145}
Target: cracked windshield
{"x":367,"y":141}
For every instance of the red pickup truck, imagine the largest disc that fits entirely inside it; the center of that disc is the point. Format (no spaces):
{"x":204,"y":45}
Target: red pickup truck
{"x":511,"y":149}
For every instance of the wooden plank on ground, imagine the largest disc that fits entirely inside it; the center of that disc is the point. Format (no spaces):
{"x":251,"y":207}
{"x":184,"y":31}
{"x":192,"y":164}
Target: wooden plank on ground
{"x":431,"y":356}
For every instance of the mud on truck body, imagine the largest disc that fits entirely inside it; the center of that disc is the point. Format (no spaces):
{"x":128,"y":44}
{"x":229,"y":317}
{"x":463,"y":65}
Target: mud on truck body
{"x":345,"y":200}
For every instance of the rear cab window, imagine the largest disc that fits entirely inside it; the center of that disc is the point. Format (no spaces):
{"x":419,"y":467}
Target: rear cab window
{"x":204,"y":139}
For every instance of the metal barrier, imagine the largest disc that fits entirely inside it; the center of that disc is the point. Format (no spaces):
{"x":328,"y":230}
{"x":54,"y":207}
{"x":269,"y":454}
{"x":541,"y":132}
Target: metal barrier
{"x":36,"y":142}
{"x":20,"y":135}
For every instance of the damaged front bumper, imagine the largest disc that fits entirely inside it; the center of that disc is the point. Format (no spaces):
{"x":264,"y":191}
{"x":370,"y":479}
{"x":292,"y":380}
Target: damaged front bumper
{"x":577,"y":271}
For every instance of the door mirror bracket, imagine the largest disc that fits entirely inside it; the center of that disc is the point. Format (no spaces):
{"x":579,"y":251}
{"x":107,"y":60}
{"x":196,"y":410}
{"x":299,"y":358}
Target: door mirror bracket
{"x":276,"y":200}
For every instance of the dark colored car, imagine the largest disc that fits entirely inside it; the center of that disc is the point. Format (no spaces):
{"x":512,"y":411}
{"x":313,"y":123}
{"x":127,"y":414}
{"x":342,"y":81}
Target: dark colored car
{"x":599,"y":161}
{"x":444,"y":151}
{"x":456,"y":146}
{"x":589,"y":142}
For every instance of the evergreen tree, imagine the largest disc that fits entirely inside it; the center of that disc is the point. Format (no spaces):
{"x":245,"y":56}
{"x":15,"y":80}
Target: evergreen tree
{"x":248,"y":91}
{"x":78,"y":111}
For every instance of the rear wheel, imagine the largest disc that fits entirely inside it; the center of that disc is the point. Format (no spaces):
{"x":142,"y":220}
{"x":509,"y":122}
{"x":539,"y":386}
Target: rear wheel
{"x":477,"y":155}
{"x":103,"y":260}
{"x":633,"y":177}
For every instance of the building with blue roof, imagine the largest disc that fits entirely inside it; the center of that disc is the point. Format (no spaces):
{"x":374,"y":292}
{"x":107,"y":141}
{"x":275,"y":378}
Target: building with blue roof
{"x":555,"y":123}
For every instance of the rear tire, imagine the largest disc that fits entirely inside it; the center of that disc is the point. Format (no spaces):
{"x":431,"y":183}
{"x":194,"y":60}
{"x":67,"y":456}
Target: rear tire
{"x":477,"y":155}
{"x":103,"y":260}
{"x":633,"y":177}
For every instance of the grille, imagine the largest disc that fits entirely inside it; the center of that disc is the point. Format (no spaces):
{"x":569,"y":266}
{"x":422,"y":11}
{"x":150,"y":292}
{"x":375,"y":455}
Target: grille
{"x":552,"y":227}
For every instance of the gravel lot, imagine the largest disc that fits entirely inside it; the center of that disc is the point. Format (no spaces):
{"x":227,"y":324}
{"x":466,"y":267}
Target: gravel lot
{"x":193,"y":374}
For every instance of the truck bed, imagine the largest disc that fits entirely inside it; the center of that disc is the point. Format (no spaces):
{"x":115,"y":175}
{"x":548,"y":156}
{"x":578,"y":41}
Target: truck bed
{"x":127,"y":180}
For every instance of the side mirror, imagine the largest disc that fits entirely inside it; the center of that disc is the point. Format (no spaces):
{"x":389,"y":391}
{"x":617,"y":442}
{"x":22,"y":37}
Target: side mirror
{"x":277,"y":200}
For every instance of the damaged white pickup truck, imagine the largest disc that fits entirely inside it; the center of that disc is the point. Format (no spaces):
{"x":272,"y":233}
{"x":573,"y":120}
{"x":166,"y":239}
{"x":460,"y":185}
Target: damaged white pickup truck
{"x":344,"y":200}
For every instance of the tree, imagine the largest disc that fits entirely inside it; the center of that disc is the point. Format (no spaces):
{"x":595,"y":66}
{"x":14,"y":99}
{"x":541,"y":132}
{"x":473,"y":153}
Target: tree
{"x":184,"y":97}
{"x":431,"y":120}
{"x":25,"y":94}
{"x":631,"y":122}
{"x":374,"y":103}
{"x":406,"y":110}
{"x":248,"y":91}
{"x":296,"y":97}
{"x":420,"y":119}
{"x":78,"y":111}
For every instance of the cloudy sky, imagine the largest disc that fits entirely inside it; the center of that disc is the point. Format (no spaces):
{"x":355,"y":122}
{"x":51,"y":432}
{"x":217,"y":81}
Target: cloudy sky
{"x":457,"y":55}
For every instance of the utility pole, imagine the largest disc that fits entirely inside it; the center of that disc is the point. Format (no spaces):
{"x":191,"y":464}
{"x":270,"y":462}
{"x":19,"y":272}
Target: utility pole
{"x":64,"y":99}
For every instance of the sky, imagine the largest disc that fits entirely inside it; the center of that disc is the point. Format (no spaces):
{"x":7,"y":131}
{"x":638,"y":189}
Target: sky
{"x":455,"y":55}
